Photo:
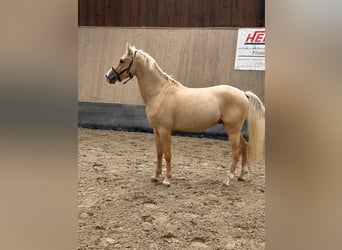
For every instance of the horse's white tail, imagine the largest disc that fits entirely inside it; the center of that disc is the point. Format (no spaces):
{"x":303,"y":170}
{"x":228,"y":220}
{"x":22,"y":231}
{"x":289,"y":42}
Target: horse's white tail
{"x":256,"y":127}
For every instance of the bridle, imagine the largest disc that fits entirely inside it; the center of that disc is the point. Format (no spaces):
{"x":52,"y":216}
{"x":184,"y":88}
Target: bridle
{"x":118,"y":74}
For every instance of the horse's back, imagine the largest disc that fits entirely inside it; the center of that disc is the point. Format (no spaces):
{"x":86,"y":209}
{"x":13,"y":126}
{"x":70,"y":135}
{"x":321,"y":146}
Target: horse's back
{"x":222,"y":95}
{"x":227,"y":91}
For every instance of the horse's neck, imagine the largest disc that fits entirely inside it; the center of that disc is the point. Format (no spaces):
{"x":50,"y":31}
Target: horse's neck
{"x":150,"y":83}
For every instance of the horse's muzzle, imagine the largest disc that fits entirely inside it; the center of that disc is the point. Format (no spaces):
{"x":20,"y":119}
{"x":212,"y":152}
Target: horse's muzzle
{"x":111,"y":76}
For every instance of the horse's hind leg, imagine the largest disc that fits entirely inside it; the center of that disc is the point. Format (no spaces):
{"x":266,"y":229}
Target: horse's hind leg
{"x":234,"y":138}
{"x":244,"y":168}
{"x":159,"y":146}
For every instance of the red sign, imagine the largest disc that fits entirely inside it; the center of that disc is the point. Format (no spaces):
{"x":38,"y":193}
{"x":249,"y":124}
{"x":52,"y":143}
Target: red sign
{"x":257,"y":37}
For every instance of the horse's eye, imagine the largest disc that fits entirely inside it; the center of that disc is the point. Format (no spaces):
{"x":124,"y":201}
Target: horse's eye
{"x":121,"y":61}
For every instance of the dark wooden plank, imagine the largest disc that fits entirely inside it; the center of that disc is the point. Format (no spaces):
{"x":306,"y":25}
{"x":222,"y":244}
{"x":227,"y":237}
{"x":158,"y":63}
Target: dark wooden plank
{"x":224,"y":13}
{"x":245,"y":13}
{"x":161,"y":13}
{"x":91,"y":13}
{"x":193,"y":10}
{"x":235,"y":13}
{"x":133,"y":13}
{"x":196,"y":21}
{"x":251,"y":15}
{"x":123,"y":15}
{"x":205,"y":13}
{"x":261,"y":13}
{"x":185,"y":20}
{"x":172,"y":13}
{"x":199,"y":13}
{"x":82,"y":12}
{"x":100,"y":12}
{"x":182,"y":14}
{"x":141,"y":8}
{"x":116,"y":12}
{"x":108,"y":18}
{"x":167,"y":12}
{"x":150,"y":15}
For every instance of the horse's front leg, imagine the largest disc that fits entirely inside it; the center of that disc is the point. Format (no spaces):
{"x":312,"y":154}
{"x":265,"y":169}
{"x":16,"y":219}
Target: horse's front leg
{"x":159,"y":147}
{"x":165,"y":140}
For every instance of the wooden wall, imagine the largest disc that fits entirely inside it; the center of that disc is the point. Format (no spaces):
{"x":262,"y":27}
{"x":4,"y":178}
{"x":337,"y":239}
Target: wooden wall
{"x":172,"y":13}
{"x":194,"y":57}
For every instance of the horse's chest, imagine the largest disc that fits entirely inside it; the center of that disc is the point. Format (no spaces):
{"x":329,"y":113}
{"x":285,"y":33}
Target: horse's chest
{"x":157,"y":117}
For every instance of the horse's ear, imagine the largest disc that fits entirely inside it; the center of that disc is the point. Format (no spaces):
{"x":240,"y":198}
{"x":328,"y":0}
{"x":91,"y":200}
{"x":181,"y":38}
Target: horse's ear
{"x":129,"y":48}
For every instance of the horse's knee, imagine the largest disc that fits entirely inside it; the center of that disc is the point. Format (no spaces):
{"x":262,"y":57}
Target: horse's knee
{"x":236,"y":155}
{"x":167,"y":156}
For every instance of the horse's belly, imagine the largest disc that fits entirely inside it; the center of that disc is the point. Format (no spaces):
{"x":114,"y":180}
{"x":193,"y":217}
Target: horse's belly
{"x":195,"y":118}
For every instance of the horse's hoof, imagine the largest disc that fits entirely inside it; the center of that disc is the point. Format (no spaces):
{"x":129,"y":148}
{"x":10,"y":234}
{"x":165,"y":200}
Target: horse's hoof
{"x":154,"y":179}
{"x":226,"y":183}
{"x":166,"y":183}
{"x":241,"y":179}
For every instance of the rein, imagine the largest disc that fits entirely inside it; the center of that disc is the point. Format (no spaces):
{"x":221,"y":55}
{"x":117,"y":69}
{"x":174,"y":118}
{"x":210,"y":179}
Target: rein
{"x":118,"y":74}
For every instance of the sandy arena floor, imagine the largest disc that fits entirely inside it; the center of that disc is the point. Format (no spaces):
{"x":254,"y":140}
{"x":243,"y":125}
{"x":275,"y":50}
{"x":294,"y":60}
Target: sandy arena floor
{"x":119,"y":208}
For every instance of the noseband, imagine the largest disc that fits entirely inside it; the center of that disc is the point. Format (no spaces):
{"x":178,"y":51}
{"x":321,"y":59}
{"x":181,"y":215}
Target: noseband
{"x":118,"y":74}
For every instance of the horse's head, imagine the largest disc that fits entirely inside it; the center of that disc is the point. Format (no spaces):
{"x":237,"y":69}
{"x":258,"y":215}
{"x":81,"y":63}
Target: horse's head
{"x":123,"y":68}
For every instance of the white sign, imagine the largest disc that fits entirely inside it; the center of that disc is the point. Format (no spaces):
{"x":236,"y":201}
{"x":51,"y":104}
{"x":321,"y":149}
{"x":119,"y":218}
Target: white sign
{"x":250,"y":49}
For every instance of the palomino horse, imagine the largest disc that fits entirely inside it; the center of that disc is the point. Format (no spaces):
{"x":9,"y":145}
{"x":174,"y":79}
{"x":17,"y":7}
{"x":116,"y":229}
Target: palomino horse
{"x":170,"y":106}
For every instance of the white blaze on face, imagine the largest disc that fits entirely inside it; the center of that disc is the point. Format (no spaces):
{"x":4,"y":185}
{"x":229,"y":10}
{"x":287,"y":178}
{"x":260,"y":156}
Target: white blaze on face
{"x":107,"y":74}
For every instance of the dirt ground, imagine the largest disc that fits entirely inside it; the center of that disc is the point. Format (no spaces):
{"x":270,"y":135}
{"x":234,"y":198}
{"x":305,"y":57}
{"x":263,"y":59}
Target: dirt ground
{"x":119,"y":208}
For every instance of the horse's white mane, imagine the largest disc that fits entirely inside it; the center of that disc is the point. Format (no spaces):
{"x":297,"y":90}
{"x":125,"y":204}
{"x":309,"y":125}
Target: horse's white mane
{"x":153,"y":65}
